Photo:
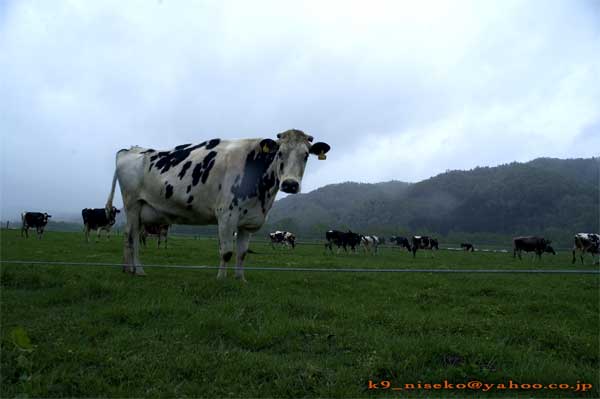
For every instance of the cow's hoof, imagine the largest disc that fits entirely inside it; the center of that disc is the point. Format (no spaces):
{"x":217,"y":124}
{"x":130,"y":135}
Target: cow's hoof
{"x":139,"y":272}
{"x":241,"y":279}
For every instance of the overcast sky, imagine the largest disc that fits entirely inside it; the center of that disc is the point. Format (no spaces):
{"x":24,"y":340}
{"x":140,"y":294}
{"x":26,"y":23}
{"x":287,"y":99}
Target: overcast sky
{"x":401,"y":90}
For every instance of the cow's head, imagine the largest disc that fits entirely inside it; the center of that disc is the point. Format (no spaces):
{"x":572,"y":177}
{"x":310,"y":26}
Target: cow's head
{"x":46,"y":216}
{"x":549,"y":249}
{"x":112,"y":214}
{"x":293,"y":148}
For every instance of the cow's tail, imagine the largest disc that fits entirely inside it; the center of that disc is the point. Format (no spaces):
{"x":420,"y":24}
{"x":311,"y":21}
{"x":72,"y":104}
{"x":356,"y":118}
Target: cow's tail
{"x":109,"y":201}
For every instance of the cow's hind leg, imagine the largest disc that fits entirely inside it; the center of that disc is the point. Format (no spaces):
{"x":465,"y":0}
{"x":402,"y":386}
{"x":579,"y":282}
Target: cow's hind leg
{"x":131,"y":261}
{"x":226,"y":230}
{"x":243,"y":240}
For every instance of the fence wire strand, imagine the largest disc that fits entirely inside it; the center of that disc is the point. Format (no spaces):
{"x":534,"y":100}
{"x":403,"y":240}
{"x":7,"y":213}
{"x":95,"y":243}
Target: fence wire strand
{"x":317,"y":270}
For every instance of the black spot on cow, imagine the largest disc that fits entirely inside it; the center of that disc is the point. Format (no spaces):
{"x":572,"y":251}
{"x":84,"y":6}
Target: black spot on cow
{"x":231,"y":207}
{"x":184,"y":169}
{"x":190,"y":199}
{"x":212,"y":144}
{"x":148,"y":151}
{"x":245,"y":211}
{"x":167,"y":159}
{"x":227,"y":256}
{"x":281,"y":167}
{"x":150,"y":168}
{"x":189,"y":188}
{"x":169,"y":191}
{"x":220,"y":187}
{"x":257,"y":181}
{"x":202,"y":169}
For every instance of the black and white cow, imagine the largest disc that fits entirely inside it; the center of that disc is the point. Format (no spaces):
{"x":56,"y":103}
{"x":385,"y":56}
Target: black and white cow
{"x":231,"y":183}
{"x":342,"y":240}
{"x":98,"y":219}
{"x":401,"y":241}
{"x":587,"y":242}
{"x":539,"y":245}
{"x":467,"y":246}
{"x":423,"y":242}
{"x":159,"y":231}
{"x":282,"y":238}
{"x":370,"y":243}
{"x":34,"y":219}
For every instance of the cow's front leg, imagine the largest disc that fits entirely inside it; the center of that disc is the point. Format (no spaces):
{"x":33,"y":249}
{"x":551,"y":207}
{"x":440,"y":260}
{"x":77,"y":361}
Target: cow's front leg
{"x":243,"y":240}
{"x":226,"y":230}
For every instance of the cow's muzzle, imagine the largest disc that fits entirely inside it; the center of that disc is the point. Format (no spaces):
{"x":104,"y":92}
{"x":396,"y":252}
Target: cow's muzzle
{"x":290,"y":186}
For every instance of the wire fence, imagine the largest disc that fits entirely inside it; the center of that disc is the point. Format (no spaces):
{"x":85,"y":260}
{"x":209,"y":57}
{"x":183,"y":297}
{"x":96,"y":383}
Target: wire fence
{"x":316,"y":269}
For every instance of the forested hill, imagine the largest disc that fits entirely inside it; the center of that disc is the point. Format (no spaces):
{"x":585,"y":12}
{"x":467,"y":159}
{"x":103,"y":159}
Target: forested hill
{"x":544,"y":196}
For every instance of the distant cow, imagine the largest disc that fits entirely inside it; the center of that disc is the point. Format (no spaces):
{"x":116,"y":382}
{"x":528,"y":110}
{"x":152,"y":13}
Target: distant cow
{"x":98,"y":219}
{"x":401,"y":241}
{"x":370,"y":243}
{"x":282,"y":238}
{"x":467,"y":246}
{"x":342,"y":240}
{"x":34,"y":219}
{"x":539,"y":245}
{"x":157,"y":230}
{"x":423,"y":242}
{"x":587,"y":242}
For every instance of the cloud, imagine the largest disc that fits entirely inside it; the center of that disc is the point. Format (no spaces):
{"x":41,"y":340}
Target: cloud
{"x":400,"y":90}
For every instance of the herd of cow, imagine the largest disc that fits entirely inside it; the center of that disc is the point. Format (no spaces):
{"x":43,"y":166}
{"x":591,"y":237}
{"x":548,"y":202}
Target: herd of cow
{"x":98,"y":219}
{"x":371,"y":244}
{"x":233,"y":184}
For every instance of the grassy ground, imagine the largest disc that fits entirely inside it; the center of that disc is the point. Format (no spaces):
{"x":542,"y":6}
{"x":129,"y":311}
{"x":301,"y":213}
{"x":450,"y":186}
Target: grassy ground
{"x":97,"y":332}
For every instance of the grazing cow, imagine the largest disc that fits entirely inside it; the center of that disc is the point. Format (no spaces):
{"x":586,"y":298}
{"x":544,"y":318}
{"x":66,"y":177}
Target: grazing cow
{"x":157,"y":230}
{"x":424,"y":242}
{"x":231,"y":183}
{"x":370,"y":243}
{"x":98,"y":219}
{"x":467,"y":247}
{"x":34,"y":219}
{"x":539,"y":245}
{"x":401,"y":241}
{"x":283,"y":238}
{"x":343,"y":240}
{"x":587,"y":242}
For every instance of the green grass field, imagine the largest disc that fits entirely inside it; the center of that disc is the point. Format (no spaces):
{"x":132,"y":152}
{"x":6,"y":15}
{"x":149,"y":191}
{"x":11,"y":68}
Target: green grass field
{"x":96,"y":332}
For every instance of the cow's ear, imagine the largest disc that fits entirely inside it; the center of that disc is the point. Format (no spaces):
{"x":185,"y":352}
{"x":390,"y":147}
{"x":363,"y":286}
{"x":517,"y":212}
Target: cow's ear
{"x":269,"y":146}
{"x":320,"y":149}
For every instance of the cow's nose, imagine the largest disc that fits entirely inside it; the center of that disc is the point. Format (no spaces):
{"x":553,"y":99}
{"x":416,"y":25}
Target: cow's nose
{"x":290,"y":186}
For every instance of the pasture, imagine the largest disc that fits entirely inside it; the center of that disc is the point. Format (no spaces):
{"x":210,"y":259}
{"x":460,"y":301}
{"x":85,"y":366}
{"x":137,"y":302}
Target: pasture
{"x":95,"y":331}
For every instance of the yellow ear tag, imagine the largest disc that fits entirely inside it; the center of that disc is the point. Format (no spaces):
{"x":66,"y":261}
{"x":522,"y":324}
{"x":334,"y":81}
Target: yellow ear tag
{"x":322,"y":156}
{"x":265,"y":148}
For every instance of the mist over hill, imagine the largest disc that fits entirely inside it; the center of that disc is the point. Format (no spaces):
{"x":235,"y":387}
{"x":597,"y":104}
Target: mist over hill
{"x":547,"y":196}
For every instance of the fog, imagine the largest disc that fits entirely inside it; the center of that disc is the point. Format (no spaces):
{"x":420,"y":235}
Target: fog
{"x":400,"y":90}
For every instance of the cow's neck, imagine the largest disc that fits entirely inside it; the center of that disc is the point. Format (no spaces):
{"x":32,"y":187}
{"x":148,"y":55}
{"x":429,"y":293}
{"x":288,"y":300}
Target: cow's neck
{"x":259,"y":181}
